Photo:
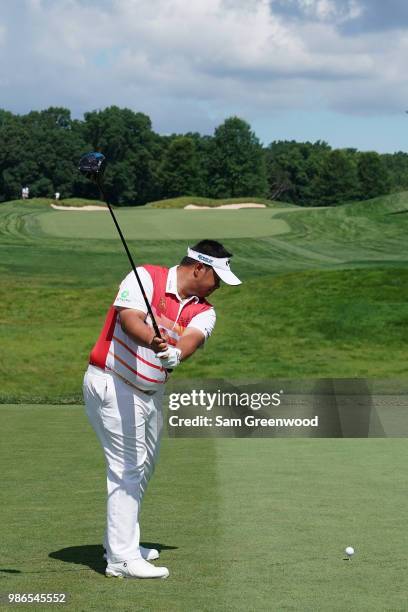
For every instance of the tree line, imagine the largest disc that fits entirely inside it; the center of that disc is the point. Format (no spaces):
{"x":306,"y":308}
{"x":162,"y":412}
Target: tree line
{"x":41,"y":150}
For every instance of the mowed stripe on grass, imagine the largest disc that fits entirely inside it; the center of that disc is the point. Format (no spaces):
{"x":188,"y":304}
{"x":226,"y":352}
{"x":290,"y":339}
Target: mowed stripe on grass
{"x":242,"y":524}
{"x":318,"y":301}
{"x":306,"y":324}
{"x":53,"y":515}
{"x":288,"y":509}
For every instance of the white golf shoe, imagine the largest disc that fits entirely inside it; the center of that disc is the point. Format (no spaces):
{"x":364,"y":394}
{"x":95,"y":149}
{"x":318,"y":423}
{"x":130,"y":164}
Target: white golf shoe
{"x":137,"y":568}
{"x":149,"y":554}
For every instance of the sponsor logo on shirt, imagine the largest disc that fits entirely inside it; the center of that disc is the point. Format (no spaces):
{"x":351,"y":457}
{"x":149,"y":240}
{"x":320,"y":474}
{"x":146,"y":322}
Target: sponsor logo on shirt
{"x":162,"y":304}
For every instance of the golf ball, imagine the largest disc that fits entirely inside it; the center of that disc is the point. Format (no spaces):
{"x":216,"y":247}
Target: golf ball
{"x":349,"y":551}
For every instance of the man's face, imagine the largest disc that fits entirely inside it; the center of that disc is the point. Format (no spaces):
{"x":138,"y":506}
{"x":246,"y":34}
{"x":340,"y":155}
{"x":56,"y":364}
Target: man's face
{"x":207,"y":281}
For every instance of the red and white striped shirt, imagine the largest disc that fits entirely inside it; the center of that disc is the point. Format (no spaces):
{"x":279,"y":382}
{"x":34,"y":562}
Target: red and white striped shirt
{"x":117,"y":352}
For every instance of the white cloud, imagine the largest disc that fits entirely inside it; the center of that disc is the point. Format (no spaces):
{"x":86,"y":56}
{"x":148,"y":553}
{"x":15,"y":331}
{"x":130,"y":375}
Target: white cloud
{"x":192,"y":63}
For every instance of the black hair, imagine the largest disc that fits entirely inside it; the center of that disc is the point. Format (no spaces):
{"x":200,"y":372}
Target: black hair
{"x":206,"y":247}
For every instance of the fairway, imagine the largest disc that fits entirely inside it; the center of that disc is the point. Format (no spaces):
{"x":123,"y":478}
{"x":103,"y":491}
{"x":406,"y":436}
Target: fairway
{"x":267,"y":537}
{"x":321,"y":293}
{"x":242,"y":524}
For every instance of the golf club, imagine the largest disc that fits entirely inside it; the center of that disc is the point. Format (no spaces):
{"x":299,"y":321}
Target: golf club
{"x":93,"y":165}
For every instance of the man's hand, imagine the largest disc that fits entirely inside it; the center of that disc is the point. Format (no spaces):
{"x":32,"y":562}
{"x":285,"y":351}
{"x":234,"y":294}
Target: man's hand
{"x":170,"y":357}
{"x":158,"y":345}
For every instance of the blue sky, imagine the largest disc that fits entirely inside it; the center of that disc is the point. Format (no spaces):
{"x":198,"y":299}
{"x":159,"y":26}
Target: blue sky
{"x":332,"y":70}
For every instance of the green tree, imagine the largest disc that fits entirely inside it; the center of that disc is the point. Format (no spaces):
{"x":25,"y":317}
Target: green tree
{"x":293,"y":168}
{"x":179,"y":171}
{"x":204,"y":146}
{"x":57,"y":143}
{"x":397,"y":167}
{"x":14,"y":158}
{"x":237,"y":166}
{"x":132,"y":149}
{"x":40,"y":150}
{"x":338,"y":180}
{"x":373,"y":174}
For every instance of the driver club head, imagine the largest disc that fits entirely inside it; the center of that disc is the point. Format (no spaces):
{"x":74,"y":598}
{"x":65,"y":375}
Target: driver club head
{"x":92,"y":165}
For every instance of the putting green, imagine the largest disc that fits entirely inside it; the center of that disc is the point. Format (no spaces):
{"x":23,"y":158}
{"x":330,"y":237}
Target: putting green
{"x":153,"y":224}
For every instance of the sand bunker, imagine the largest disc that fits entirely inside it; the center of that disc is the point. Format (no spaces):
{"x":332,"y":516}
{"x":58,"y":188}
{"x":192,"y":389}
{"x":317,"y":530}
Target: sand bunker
{"x":88,"y":207}
{"x":225,"y":206}
{"x":188,"y":207}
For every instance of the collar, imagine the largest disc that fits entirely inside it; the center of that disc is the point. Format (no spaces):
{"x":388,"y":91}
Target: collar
{"x":171,"y":286}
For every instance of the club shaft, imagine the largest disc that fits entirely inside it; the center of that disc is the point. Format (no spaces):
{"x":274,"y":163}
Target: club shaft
{"x":149,"y":309}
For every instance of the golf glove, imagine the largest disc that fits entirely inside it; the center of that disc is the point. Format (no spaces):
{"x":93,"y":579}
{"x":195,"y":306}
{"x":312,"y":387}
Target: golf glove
{"x":171,"y":357}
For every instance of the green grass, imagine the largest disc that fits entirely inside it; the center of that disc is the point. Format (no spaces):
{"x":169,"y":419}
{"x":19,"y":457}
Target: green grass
{"x":325,"y":298}
{"x":45,"y":202}
{"x":149,"y":224}
{"x":305,"y":325}
{"x":183,"y":201}
{"x":79,"y":202}
{"x":256,"y":524}
{"x":267,"y":537}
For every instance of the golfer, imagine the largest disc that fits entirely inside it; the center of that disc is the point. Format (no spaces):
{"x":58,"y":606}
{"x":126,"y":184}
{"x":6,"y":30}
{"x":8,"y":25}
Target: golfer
{"x":124,"y":385}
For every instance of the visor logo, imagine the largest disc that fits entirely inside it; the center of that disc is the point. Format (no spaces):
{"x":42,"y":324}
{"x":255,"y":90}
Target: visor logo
{"x":206,"y":259}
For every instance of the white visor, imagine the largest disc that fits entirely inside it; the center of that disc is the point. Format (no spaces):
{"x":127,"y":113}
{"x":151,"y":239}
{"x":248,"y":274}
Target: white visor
{"x":221,"y":266}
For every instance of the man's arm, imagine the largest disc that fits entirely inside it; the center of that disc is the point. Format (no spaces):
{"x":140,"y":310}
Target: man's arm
{"x":189,"y":342}
{"x":133,"y":324}
{"x":195,"y":334}
{"x":186,"y":346}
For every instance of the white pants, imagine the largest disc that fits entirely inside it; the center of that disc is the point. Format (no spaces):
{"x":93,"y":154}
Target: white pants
{"x":128,"y":424}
